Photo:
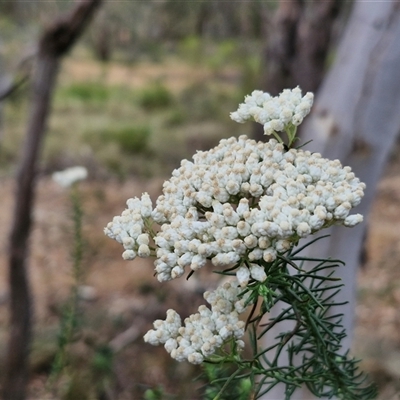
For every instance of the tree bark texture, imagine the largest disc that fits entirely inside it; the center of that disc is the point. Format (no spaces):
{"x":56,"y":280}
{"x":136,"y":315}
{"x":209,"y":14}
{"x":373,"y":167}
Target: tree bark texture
{"x":55,"y":42}
{"x":299,"y":38}
{"x":1,"y":84}
{"x":281,"y":46}
{"x":16,"y":371}
{"x":298,"y":44}
{"x":356,"y":119}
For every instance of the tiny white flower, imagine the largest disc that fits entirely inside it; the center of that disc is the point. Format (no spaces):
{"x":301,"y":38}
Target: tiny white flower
{"x":283,"y":245}
{"x":128,"y":255}
{"x":269,"y":255}
{"x":128,"y":243}
{"x":143,"y":239}
{"x":250,"y":241}
{"x":70,"y":176}
{"x":303,"y":229}
{"x":144,"y":251}
{"x":195,"y":358}
{"x":170,"y":344}
{"x":176,"y":272}
{"x":243,"y":275}
{"x":353,"y":220}
{"x":258,"y":273}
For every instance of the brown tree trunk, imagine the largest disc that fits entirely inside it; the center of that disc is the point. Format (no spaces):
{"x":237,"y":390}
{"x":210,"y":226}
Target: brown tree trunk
{"x":299,"y":42}
{"x":313,"y":40}
{"x":16,"y":371}
{"x":55,"y":42}
{"x":281,"y":46}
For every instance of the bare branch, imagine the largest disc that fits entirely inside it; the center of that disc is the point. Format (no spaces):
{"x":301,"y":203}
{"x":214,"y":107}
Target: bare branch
{"x":13,"y":87}
{"x":23,"y":72}
{"x":56,"y":40}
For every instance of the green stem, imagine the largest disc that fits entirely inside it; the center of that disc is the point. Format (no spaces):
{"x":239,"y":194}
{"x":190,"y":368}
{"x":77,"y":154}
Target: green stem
{"x":69,"y":317}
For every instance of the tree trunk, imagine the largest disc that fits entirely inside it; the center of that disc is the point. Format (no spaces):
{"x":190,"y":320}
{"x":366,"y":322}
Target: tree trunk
{"x":313,"y":40}
{"x":16,"y":373}
{"x":281,"y":46}
{"x":55,"y":42}
{"x":297,"y":47}
{"x":355,"y":119}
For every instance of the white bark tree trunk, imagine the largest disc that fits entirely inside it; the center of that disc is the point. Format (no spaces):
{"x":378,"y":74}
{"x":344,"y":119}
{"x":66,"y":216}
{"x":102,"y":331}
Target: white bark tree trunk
{"x":356,"y":118}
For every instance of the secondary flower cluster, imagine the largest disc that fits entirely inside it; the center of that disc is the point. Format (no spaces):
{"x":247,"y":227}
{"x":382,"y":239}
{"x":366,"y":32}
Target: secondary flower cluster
{"x":242,"y":200}
{"x":275,"y":113}
{"x":205,"y":332}
{"x":69,"y":176}
{"x":129,"y":229}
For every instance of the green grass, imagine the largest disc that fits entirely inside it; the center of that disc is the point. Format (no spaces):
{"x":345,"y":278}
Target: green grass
{"x":86,"y":92}
{"x":131,"y":139}
{"x":119,"y":130}
{"x":92,"y":93}
{"x":155,"y":96}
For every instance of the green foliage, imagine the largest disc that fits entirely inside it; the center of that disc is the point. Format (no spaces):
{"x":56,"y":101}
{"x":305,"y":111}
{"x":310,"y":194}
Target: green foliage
{"x":70,"y":321}
{"x":154,"y":394}
{"x":224,"y":54}
{"x":102,"y":362}
{"x":251,"y":70}
{"x":108,"y":123}
{"x":155,"y":96}
{"x":200,"y":102}
{"x":77,"y":387}
{"x":85,"y":97}
{"x":85,"y":92}
{"x":313,"y":343}
{"x":130,"y":139}
{"x":191,"y":49}
{"x":101,"y":368}
{"x":176,"y":117}
{"x":239,"y":388}
{"x":158,"y":393}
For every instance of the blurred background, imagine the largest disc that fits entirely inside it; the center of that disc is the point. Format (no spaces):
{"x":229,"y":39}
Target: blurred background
{"x":147,"y":84}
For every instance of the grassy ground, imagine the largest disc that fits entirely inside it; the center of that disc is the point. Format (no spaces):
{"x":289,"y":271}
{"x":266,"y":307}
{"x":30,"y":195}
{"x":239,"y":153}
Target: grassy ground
{"x":130,"y":125}
{"x":124,"y":119}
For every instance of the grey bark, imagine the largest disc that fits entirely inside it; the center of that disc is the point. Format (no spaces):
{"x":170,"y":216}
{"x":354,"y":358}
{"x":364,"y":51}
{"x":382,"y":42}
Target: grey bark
{"x":55,"y":42}
{"x":356,"y":119}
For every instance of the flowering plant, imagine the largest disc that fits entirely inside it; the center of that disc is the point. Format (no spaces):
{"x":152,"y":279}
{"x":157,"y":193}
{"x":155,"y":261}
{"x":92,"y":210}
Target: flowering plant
{"x":244,"y":206}
{"x":69,"y":179}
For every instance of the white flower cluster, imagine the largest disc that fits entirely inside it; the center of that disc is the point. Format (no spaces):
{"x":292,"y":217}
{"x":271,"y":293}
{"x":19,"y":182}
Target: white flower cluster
{"x":129,"y":228}
{"x":275,"y":113}
{"x":69,"y":176}
{"x":242,"y":200}
{"x":205,"y":332}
